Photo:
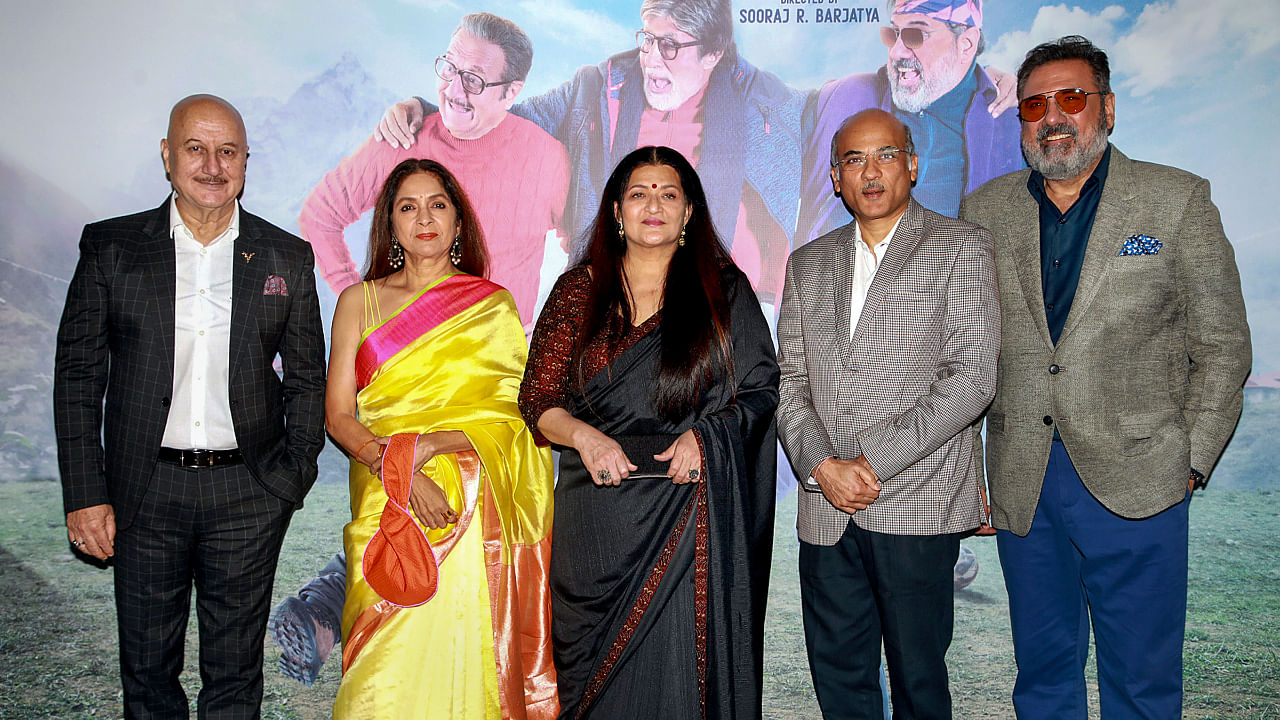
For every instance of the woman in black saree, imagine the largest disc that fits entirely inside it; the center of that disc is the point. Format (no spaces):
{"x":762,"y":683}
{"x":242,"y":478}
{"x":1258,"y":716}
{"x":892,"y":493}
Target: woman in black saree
{"x":653,"y":371}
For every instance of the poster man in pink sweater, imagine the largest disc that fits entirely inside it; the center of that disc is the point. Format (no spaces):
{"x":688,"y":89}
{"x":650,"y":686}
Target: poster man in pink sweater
{"x":520,"y":207}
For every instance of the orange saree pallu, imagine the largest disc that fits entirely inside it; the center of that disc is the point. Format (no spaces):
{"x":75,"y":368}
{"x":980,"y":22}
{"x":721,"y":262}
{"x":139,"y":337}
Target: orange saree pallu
{"x":452,"y":622}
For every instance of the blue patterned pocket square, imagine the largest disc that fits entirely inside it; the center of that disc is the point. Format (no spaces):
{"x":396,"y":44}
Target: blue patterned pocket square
{"x":1140,"y":245}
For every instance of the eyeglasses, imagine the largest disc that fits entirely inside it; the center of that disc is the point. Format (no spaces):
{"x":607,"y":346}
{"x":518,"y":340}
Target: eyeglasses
{"x":668,"y":47}
{"x":912,"y":38}
{"x":472,"y":84}
{"x":1070,"y":101}
{"x":884,"y":156}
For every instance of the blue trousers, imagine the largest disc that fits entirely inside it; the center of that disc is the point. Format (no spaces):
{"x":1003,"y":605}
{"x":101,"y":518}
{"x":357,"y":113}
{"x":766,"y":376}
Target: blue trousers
{"x":1081,"y":562}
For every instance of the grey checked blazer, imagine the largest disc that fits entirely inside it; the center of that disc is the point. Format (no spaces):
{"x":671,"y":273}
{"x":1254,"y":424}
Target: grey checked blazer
{"x":116,"y":340}
{"x":905,"y":390}
{"x":1145,"y":381}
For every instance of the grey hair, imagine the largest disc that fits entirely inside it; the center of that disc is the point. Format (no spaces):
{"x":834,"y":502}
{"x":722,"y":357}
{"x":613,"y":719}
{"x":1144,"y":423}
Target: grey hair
{"x":710,"y":21}
{"x":835,"y":158}
{"x":517,"y":51}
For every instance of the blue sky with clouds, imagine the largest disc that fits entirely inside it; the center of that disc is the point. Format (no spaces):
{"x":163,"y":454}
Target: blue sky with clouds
{"x":88,"y":84}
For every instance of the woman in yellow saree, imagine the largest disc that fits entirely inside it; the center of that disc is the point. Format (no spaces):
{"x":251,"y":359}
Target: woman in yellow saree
{"x":447,"y":609}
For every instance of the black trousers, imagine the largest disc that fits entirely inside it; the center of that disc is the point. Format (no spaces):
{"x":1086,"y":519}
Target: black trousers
{"x":216,"y":529}
{"x":871,"y":586}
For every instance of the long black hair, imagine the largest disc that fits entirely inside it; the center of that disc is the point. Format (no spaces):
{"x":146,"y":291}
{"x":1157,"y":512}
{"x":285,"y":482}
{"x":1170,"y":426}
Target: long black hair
{"x":696,"y":342}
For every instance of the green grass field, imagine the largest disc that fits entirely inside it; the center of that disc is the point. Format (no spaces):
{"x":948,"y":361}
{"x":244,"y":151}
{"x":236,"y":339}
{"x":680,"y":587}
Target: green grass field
{"x":57,"y":619}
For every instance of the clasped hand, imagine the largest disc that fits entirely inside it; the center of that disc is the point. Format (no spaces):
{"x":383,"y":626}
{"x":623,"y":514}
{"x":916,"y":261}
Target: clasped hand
{"x":849,"y":485}
{"x":427,"y":499}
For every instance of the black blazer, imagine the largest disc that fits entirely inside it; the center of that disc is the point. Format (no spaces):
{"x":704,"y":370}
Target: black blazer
{"x":116,"y":339}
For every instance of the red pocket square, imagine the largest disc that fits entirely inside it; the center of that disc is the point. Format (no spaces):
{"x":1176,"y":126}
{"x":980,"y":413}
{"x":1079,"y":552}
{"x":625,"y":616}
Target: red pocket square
{"x":275,"y":286}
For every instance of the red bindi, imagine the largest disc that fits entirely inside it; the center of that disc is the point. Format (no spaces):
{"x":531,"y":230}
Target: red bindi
{"x":655,"y":186}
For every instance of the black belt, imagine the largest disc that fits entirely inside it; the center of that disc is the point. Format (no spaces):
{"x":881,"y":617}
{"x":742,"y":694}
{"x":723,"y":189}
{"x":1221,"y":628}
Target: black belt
{"x":200,"y":458}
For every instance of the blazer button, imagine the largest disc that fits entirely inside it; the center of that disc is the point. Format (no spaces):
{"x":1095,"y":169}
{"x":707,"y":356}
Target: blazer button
{"x":164,"y":402}
{"x":1053,"y":369}
{"x":1048,"y":420}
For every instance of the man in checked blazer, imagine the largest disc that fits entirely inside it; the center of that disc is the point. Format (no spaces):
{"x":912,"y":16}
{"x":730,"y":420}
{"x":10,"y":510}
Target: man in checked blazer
{"x":888,"y":334}
{"x":190,"y":470}
{"x":1125,"y":347}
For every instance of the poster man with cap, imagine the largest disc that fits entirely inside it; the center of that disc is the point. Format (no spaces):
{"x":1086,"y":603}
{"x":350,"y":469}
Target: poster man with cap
{"x":965,"y":133}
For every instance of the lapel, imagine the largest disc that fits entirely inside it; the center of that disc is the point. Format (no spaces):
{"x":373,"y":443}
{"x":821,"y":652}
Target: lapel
{"x":905,"y":241}
{"x":159,"y":262}
{"x":247,"y":280}
{"x":1022,"y":221}
{"x":1106,"y":238}
{"x":843,"y":285}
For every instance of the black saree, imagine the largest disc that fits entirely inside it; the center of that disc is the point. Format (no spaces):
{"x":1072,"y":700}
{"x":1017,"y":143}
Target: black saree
{"x":658,"y":590}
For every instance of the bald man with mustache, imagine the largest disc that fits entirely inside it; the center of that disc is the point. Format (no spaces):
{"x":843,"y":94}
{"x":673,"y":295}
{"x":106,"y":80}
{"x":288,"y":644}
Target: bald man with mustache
{"x":183,"y":453}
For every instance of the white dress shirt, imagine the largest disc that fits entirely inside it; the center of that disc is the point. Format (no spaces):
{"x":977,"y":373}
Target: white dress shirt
{"x":200,"y":410}
{"x":865,"y":264}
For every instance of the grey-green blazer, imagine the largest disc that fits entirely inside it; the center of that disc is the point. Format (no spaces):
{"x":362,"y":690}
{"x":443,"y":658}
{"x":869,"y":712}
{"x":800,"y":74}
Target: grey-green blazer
{"x":1146,"y":380}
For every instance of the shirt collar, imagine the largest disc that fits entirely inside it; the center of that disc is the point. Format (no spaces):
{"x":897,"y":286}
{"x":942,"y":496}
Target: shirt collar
{"x":857,"y":233}
{"x":175,"y":220}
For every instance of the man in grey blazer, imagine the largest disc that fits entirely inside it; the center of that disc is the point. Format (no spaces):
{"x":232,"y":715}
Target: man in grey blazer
{"x":1125,"y":348}
{"x":888,"y":333}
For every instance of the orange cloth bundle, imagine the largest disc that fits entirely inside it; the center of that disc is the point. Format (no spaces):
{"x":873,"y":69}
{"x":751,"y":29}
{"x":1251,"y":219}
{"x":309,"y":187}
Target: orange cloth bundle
{"x":399,"y":564}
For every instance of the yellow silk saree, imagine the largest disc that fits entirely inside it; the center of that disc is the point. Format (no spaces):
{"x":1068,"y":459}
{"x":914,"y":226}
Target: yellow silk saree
{"x":477,"y":646}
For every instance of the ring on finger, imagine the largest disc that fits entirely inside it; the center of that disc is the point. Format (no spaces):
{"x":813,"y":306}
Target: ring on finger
{"x":604,"y":476}
{"x":694,"y":473}
{"x":77,"y":543}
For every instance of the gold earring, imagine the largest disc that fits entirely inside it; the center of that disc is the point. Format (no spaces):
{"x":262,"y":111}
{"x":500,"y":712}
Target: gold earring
{"x":621,"y":235}
{"x":680,"y":241}
{"x":396,"y":256}
{"x":455,"y":252}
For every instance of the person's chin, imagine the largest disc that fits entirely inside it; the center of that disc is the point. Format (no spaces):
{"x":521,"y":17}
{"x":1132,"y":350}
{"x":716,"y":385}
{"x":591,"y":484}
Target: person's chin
{"x":909,"y":98}
{"x":458,"y":125}
{"x":667,"y":100}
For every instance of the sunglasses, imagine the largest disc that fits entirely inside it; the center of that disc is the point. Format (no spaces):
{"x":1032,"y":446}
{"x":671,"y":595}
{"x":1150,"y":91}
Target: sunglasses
{"x":1069,"y":100}
{"x":912,"y":38}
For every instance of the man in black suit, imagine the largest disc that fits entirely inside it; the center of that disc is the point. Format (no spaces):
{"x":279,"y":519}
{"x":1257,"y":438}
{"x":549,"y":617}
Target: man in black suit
{"x":191,"y":471}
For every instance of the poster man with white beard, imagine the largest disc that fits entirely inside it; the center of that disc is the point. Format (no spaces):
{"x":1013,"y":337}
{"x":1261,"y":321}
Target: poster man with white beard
{"x":931,"y":82}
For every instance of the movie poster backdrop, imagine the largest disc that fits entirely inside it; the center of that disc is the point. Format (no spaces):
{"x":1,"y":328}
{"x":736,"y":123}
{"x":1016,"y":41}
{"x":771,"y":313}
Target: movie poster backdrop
{"x":754,"y":104}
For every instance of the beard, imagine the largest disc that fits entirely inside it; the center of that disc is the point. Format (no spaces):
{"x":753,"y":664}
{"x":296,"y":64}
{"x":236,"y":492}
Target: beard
{"x":944,"y":76}
{"x":1070,"y":163}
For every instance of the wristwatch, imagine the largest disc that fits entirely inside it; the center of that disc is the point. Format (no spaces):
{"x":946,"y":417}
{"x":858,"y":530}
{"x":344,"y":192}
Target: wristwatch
{"x":1198,"y":480}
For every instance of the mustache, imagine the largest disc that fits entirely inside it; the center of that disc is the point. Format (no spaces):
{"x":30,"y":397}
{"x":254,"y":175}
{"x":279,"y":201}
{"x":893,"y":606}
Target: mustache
{"x":908,"y":64}
{"x":1056,"y":129}
{"x":872,"y":185}
{"x":210,"y":179}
